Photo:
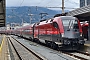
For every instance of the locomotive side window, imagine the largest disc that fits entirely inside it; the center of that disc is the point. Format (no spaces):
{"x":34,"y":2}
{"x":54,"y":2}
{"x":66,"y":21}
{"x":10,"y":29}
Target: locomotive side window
{"x":26,"y":30}
{"x":55,"y":25}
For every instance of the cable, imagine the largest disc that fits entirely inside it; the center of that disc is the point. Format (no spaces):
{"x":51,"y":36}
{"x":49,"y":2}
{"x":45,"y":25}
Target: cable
{"x":59,"y":5}
{"x":48,"y":2}
{"x":17,"y":9}
{"x":21,"y":3}
{"x":72,"y":2}
{"x":40,"y":2}
{"x":54,"y":4}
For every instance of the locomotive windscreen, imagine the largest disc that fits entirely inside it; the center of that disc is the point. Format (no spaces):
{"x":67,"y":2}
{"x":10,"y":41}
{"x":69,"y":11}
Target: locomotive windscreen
{"x":70,"y":22}
{"x":71,"y":27}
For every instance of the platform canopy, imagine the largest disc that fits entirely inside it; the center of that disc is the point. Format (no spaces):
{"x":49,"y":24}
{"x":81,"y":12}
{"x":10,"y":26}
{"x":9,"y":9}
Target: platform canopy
{"x":82,"y":13}
{"x":2,"y":13}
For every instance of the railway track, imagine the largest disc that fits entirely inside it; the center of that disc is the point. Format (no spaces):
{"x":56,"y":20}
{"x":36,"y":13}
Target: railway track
{"x":23,"y":52}
{"x":48,"y":53}
{"x":83,"y":53}
{"x":13,"y":53}
{"x":77,"y":55}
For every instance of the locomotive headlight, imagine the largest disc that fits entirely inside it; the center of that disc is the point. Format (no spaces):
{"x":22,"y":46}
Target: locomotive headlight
{"x":62,"y":34}
{"x":81,"y":34}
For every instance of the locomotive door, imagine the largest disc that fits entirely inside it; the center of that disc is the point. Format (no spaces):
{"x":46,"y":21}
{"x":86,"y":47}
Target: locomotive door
{"x":56,"y":33}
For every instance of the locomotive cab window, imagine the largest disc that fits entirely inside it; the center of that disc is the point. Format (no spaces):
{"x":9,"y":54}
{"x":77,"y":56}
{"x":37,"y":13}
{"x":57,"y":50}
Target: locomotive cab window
{"x":55,"y":25}
{"x":70,"y":23}
{"x":75,"y":26}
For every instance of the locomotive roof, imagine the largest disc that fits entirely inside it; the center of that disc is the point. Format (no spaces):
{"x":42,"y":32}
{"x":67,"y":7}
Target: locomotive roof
{"x":67,"y":17}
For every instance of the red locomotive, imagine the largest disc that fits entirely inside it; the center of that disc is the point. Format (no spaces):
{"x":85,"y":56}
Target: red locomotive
{"x":64,"y":32}
{"x":85,"y":30}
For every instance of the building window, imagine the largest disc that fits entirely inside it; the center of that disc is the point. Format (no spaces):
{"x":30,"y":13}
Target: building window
{"x":88,"y":2}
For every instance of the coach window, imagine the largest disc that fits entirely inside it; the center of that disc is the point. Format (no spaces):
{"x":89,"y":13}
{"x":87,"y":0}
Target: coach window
{"x":55,"y":25}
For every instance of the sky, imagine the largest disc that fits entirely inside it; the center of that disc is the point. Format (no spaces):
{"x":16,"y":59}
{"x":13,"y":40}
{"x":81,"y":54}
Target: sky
{"x":69,"y":4}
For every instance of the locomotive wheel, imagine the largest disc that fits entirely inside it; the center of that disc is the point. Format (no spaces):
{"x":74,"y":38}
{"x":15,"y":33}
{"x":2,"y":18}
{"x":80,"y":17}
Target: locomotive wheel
{"x":47,"y":43}
{"x":36,"y":40}
{"x":21,"y":36}
{"x":54,"y":45}
{"x":30,"y":38}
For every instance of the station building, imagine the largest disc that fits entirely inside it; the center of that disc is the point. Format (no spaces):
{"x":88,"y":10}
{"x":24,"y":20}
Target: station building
{"x":84,"y":3}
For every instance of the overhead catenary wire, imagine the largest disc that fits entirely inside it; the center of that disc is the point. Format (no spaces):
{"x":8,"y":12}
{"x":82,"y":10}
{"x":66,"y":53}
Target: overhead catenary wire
{"x":21,"y":4}
{"x":62,"y":6}
{"x":12,"y":9}
{"x":40,"y":2}
{"x":53,"y":7}
{"x":59,"y":5}
{"x":17,"y":8}
{"x":48,"y":3}
{"x":72,"y":2}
